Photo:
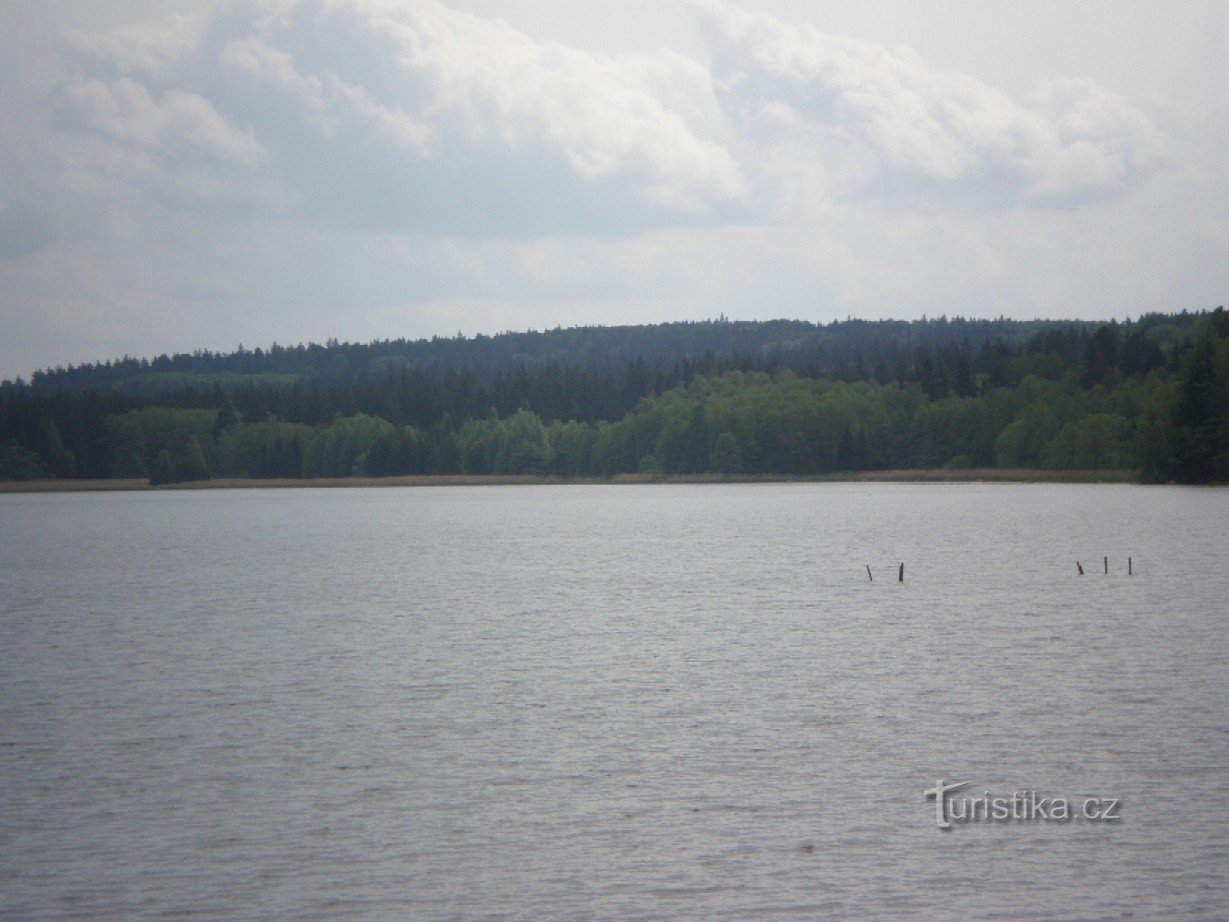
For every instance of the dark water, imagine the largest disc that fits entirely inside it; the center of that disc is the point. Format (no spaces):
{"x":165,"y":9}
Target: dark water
{"x":611,"y":702}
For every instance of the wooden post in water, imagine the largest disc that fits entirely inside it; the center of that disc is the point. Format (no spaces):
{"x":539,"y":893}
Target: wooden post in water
{"x":1078,"y":567}
{"x":1129,"y":571}
{"x":901,"y":577}
{"x":1107,"y":566}
{"x":868,"y":573}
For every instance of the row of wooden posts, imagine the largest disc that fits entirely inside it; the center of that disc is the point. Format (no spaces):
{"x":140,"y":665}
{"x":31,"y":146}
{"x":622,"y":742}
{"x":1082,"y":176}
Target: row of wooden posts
{"x":1130,"y":569}
{"x":1079,"y":566}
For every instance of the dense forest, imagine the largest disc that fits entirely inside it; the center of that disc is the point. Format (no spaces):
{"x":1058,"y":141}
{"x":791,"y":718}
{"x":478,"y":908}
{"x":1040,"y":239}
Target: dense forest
{"x":773,"y":397}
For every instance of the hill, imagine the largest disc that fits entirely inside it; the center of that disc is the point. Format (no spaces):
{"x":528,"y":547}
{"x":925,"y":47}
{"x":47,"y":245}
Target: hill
{"x":762,"y":397}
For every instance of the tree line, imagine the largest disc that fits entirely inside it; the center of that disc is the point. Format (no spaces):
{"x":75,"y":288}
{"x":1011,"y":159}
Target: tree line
{"x":778,"y":397}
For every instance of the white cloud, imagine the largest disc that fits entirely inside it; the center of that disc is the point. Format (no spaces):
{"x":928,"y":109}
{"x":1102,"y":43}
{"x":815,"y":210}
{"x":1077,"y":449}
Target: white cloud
{"x":285,"y":169}
{"x":325,"y":101}
{"x":416,"y":116}
{"x":147,"y":49}
{"x":1088,"y":138}
{"x":870,"y":114}
{"x":424,"y":107}
{"x":179,"y":123}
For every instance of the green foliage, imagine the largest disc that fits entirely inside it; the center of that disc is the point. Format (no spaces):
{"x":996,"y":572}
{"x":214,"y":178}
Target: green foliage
{"x":1156,"y":435}
{"x":268,"y":449}
{"x":477,"y":444}
{"x":1201,"y":411}
{"x":727,"y":455}
{"x":784,"y":424}
{"x":521,"y":445}
{"x":571,"y":447}
{"x":192,"y":466}
{"x":517,"y":445}
{"x":59,"y":459}
{"x":226,"y":419}
{"x":403,"y":450}
{"x":1093,"y":442}
{"x":341,"y":450}
{"x":755,"y":423}
{"x":138,"y":438}
{"x":164,"y":469}
{"x":779,"y":397}
{"x":129,"y":449}
{"x":17,"y":463}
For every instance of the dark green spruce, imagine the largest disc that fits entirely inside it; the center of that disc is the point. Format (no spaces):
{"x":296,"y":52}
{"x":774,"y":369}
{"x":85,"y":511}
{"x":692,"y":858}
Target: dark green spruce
{"x":776,"y":397}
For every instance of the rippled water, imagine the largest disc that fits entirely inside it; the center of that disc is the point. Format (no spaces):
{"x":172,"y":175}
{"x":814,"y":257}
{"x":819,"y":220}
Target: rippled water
{"x":611,"y":702}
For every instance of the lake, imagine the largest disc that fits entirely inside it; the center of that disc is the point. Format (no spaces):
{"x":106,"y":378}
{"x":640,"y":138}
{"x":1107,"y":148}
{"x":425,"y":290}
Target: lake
{"x":613,"y":701}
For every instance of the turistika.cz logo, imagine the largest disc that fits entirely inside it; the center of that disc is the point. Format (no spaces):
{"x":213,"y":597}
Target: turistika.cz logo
{"x":1020,"y":807}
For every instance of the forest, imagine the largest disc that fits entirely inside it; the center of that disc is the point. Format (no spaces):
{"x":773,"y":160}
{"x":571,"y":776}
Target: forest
{"x":784,"y":397}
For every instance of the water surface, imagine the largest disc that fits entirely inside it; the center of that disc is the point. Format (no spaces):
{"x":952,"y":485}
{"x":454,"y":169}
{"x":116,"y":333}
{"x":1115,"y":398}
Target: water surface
{"x":611,"y":701}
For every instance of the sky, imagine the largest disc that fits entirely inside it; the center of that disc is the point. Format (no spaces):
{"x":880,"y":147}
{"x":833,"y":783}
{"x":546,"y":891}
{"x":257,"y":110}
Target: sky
{"x":195,"y":175}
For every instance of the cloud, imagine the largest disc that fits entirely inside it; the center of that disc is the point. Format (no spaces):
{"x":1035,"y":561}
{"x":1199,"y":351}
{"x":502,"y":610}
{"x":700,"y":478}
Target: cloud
{"x":408,"y":115}
{"x":412,"y":116}
{"x":149,"y":49}
{"x":286,"y":169}
{"x":866,"y":118}
{"x":182,"y":125}
{"x":1087,"y":138}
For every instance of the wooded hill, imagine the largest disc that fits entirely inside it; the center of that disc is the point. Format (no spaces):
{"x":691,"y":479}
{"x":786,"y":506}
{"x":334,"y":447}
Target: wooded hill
{"x":779,"y":397}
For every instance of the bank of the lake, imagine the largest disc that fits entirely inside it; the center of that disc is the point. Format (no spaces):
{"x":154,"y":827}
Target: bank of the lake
{"x":914,"y":475}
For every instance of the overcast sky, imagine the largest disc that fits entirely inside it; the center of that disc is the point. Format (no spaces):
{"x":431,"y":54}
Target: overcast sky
{"x":195,"y":175}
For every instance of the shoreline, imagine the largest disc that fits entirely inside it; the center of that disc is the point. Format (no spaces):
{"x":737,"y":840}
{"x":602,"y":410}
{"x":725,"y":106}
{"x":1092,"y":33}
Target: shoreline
{"x":916,"y":475}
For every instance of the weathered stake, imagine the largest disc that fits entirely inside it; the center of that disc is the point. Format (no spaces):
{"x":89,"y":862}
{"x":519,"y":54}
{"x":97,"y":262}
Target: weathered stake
{"x":901,"y":577}
{"x":1107,"y":566}
{"x":1078,"y":567}
{"x":1129,"y":571}
{"x":868,"y":573}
